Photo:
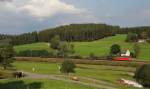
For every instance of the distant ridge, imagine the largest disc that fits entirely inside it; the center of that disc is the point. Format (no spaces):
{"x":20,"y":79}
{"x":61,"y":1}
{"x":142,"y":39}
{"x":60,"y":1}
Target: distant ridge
{"x":73,"y":32}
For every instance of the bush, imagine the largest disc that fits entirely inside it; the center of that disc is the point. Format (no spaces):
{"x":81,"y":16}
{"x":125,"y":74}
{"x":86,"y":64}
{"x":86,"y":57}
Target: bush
{"x":5,"y":74}
{"x":115,"y":50}
{"x":92,"y":56}
{"x":26,"y":53}
{"x":68,"y":67}
{"x":110,"y":57}
{"x":148,"y":40}
{"x":131,"y":37}
{"x":76,"y":57}
{"x":142,"y":75}
{"x":65,"y":49}
{"x":133,"y":55}
{"x":55,"y":42}
{"x":33,"y":53}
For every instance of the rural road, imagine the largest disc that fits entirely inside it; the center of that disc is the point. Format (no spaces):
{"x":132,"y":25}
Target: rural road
{"x":54,"y":77}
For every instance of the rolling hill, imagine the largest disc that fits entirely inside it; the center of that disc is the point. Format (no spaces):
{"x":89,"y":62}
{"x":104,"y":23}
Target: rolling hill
{"x":99,"y":47}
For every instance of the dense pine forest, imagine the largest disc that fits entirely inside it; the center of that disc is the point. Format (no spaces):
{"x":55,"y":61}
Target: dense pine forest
{"x":73,"y":32}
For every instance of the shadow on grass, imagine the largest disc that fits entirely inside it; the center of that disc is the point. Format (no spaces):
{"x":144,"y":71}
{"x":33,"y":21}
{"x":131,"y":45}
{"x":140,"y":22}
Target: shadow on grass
{"x":20,"y":85}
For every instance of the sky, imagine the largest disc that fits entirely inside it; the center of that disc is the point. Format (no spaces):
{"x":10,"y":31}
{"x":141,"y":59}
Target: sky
{"x":19,"y":16}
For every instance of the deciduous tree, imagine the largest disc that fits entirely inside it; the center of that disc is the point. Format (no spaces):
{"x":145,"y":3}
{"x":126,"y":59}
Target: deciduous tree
{"x":142,"y":75}
{"x":115,"y":49}
{"x":6,"y":55}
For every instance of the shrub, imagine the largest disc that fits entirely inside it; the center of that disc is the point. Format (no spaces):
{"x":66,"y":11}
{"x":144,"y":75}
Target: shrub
{"x":76,"y":57}
{"x":131,"y":37}
{"x":26,"y":53}
{"x":133,"y":55}
{"x":142,"y":75}
{"x":92,"y":56}
{"x":55,"y":42}
{"x":33,"y":53}
{"x":66,"y":49}
{"x":6,"y":74}
{"x":115,"y":49}
{"x":148,"y":40}
{"x":68,"y":67}
{"x":110,"y":57}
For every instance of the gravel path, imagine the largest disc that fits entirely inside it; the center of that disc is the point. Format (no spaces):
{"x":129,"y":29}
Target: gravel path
{"x":54,"y":77}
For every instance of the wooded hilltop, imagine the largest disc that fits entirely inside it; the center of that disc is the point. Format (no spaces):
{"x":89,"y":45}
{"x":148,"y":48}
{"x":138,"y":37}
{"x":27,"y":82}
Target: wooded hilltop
{"x":73,"y":32}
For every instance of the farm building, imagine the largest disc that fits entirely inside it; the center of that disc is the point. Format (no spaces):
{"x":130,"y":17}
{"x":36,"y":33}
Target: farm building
{"x":125,"y":56}
{"x":126,"y":53}
{"x":141,"y":40}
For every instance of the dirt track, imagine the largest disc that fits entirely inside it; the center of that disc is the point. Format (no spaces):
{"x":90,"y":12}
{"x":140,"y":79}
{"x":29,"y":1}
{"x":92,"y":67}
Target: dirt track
{"x":54,"y":77}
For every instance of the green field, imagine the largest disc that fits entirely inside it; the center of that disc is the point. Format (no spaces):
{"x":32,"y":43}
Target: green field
{"x":35,"y":46}
{"x":102,"y":72}
{"x":40,"y":84}
{"x":107,"y":74}
{"x":100,"y":47}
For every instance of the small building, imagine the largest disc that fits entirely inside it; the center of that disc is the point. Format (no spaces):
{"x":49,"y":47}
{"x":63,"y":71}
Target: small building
{"x":125,"y":56}
{"x":141,"y":40}
{"x":126,"y":53}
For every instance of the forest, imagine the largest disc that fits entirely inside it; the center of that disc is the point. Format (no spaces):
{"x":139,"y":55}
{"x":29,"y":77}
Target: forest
{"x":73,"y":32}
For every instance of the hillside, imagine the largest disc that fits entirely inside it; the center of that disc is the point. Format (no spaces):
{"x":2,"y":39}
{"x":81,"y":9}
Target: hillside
{"x":74,"y":33}
{"x":99,"y":47}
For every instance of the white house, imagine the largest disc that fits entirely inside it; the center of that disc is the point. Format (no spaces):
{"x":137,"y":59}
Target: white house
{"x":141,"y":40}
{"x":126,"y":54}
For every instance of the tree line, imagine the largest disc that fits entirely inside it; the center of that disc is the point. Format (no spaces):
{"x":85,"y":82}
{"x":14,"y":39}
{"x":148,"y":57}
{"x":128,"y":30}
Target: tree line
{"x":72,"y":32}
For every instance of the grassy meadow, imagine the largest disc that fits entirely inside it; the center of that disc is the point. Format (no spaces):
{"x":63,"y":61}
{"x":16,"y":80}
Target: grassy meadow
{"x":106,"y":75}
{"x":101,"y":72}
{"x":99,"y":47}
{"x":40,"y":84}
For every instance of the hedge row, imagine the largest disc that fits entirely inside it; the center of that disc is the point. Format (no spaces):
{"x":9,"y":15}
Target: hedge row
{"x":33,"y":53}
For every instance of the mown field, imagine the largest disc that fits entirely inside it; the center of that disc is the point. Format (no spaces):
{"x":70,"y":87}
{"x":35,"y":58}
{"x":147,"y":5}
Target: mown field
{"x":107,"y":75}
{"x":40,"y":84}
{"x":102,"y":72}
{"x":99,"y":47}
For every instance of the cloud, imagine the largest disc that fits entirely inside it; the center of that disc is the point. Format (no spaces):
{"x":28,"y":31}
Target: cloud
{"x":8,"y":5}
{"x":42,"y":9}
{"x":32,"y":15}
{"x":48,"y":8}
{"x":5,"y":0}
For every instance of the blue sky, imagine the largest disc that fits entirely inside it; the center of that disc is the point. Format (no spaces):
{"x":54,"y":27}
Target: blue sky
{"x":19,"y":16}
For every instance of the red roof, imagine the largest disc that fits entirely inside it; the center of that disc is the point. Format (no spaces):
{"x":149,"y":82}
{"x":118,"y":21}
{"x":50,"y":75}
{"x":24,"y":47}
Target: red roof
{"x":122,"y":59}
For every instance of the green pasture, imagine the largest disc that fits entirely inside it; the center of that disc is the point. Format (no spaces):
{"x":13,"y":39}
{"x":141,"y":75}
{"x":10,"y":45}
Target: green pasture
{"x":34,"y":46}
{"x":40,"y":84}
{"x":108,"y":74}
{"x":101,"y":72}
{"x":100,"y":47}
